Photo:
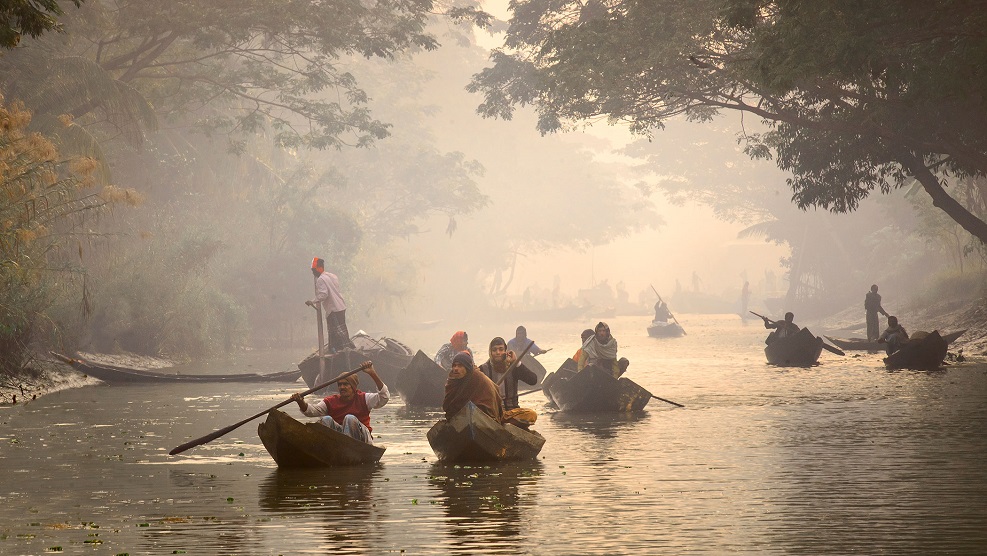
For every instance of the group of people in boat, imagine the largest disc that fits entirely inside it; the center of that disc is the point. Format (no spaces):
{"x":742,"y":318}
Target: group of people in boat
{"x":893,"y":337}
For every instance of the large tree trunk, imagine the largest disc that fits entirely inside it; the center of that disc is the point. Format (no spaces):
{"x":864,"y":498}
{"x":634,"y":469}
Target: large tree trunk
{"x":941,"y":199}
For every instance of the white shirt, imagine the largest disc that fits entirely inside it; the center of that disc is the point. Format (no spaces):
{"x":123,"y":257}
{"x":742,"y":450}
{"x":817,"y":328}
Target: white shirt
{"x":327,"y":293}
{"x":375,"y":400}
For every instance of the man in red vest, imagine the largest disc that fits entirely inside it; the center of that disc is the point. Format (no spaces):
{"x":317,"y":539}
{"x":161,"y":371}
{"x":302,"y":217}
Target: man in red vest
{"x":348,"y":411}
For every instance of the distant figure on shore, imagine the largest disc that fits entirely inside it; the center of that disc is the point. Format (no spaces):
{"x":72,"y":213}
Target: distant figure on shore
{"x":872,"y":305}
{"x":783,"y":328}
{"x":894,"y":336}
{"x":745,"y":297}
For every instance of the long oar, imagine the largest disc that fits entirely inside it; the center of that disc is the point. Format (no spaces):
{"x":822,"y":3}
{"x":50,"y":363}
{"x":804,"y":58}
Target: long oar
{"x":216,"y":434}
{"x":669,"y":310}
{"x":667,"y":401}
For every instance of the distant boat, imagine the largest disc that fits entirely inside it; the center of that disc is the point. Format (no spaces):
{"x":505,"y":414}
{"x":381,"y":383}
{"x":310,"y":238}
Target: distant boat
{"x":660,"y":329}
{"x":862,"y":344}
{"x":473,"y":436}
{"x":801,"y":350}
{"x":388,"y":355}
{"x":120,"y":375}
{"x":294,"y":444}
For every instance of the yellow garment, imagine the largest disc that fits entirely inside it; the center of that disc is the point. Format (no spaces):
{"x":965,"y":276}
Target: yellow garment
{"x":522,"y":414}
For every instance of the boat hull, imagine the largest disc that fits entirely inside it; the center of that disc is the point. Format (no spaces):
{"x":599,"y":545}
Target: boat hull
{"x":473,"y":436}
{"x":924,"y":353}
{"x":665,"y":330}
{"x":422,"y":382}
{"x":594,"y":390}
{"x":293,"y":444}
{"x":800,"y":350}
{"x":122,"y":375}
{"x":861,"y":344}
{"x":388,"y":355}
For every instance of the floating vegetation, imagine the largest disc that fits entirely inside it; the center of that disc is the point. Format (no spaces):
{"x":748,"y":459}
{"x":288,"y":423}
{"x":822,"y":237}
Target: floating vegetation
{"x":54,"y":549}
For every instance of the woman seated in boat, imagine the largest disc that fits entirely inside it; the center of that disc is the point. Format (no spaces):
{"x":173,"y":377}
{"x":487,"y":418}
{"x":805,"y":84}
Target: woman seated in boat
{"x":894,"y":337}
{"x":459,"y":342}
{"x":600,"y":350}
{"x":348,"y":411}
{"x":467,"y":384}
{"x":783,"y":328}
{"x":496,"y":370}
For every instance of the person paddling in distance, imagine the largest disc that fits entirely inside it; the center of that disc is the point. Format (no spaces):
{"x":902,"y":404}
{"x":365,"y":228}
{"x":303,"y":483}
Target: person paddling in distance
{"x":495,"y":368}
{"x":520,"y":341}
{"x":349,"y":410}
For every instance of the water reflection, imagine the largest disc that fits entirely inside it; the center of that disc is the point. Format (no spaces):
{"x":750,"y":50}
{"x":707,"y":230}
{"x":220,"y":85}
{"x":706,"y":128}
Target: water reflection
{"x":346,"y":490}
{"x":601,"y":425}
{"x":487,"y":506}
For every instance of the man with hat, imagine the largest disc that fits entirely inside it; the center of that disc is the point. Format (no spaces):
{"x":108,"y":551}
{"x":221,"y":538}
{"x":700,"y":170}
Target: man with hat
{"x":327,"y":293}
{"x":348,"y":411}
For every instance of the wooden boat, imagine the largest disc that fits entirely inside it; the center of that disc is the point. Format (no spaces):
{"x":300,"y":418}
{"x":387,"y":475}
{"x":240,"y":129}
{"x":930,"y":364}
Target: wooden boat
{"x":567,"y":368}
{"x":862,"y":344}
{"x":594,"y":389}
{"x":389,"y":357}
{"x":472,"y":435}
{"x":924,"y":351}
{"x":800,"y":350}
{"x":114,"y":374}
{"x":295,"y":444}
{"x":422,"y":382}
{"x":665,"y":330}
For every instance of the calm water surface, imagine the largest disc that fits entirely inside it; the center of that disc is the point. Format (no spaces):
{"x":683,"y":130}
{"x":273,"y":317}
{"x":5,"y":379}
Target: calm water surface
{"x":841,"y":458}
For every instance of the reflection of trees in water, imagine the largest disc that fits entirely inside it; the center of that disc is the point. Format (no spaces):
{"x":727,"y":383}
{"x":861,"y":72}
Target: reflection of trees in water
{"x":601,"y":425}
{"x":485,"y":503}
{"x":342,"y":496}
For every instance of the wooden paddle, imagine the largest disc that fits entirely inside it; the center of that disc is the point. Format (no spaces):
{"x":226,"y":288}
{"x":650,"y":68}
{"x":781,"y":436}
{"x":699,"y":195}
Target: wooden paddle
{"x":667,"y":401}
{"x":221,"y":432}
{"x":669,"y":310}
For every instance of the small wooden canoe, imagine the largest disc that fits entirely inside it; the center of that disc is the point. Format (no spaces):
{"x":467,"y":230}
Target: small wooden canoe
{"x":473,"y":436}
{"x":294,"y":444}
{"x":594,"y":390}
{"x":924,"y":351}
{"x":422,"y":382}
{"x":862,"y":344}
{"x":665,"y":330}
{"x":800,"y":350}
{"x":388,"y":355}
{"x":119,"y":375}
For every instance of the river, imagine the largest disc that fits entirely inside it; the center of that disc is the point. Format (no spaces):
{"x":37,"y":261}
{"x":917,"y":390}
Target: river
{"x":844,"y":457}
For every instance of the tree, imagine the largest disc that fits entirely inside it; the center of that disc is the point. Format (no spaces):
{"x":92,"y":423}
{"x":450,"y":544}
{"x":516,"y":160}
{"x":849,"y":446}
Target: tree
{"x":895,"y":91}
{"x":20,"y":17}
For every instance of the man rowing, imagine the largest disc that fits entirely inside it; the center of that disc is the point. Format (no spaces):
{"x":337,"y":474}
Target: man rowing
{"x":782,"y":328}
{"x":348,"y":411}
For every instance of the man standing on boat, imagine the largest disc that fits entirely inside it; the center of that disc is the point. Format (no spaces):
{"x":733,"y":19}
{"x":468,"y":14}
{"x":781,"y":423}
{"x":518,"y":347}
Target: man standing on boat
{"x":348,"y":411}
{"x":783,"y":328}
{"x":601,"y":350}
{"x":459,"y":342}
{"x":872,"y":305}
{"x":495,"y":368}
{"x":520,"y":341}
{"x":327,"y":293}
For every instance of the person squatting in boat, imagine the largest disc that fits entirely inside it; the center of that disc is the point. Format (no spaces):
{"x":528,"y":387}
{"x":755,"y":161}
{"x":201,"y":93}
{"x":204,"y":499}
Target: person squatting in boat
{"x":348,"y":411}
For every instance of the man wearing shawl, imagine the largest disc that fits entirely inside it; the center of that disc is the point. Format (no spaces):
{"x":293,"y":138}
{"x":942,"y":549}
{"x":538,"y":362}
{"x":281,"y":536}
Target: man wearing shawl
{"x":327,"y":294}
{"x":459,"y":342}
{"x":496,"y":370}
{"x":348,"y":411}
{"x":466,"y":384}
{"x":601,"y":351}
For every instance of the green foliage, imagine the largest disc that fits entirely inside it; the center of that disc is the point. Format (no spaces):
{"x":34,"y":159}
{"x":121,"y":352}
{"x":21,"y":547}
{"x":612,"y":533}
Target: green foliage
{"x":893,"y":90}
{"x":28,"y":17}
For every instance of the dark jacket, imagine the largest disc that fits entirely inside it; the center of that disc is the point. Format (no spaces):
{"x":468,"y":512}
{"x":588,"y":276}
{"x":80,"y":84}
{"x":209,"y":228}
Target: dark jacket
{"x":520,"y":372}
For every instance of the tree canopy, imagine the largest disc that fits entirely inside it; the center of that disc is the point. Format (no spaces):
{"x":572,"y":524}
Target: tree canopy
{"x":858,"y":97}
